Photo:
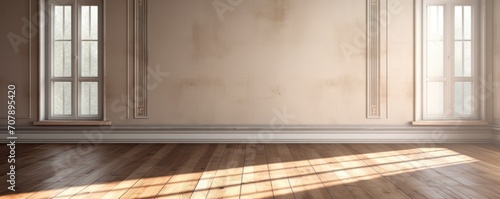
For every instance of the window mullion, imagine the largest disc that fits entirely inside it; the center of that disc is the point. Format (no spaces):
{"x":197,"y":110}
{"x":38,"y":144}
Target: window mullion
{"x":76,"y":58}
{"x":477,"y":73}
{"x":448,"y":37}
{"x":452,"y":61}
{"x":50,"y":68}
{"x":450,"y":48}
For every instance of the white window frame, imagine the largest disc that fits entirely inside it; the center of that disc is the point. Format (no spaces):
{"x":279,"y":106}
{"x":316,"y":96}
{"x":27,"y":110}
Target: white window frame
{"x":46,"y":52}
{"x":479,"y":116}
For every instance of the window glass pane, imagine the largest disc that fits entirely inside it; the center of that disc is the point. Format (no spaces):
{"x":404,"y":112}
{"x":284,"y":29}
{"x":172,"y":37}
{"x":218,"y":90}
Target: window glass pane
{"x":90,"y":22}
{"x":62,"y":98}
{"x":58,"y":62}
{"x":89,"y":98}
{"x":85,"y":22}
{"x":459,"y":98}
{"x":467,"y":22}
{"x":90,"y":50}
{"x":67,"y":22}
{"x":58,"y":22}
{"x":62,"y":53}
{"x":468,"y":98}
{"x":62,"y":59}
{"x":458,"y":59}
{"x":89,"y":60}
{"x":435,"y":98}
{"x":458,"y":23}
{"x":463,"y":98}
{"x":467,"y":59}
{"x":62,"y":22}
{"x":94,"y":57}
{"x":85,"y":59}
{"x":94,"y":14}
{"x":435,"y":23}
{"x":67,"y":59}
{"x":435,"y":62}
{"x":435,"y":41}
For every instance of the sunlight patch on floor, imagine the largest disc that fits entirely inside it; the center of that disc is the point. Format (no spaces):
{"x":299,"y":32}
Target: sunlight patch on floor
{"x":258,"y":181}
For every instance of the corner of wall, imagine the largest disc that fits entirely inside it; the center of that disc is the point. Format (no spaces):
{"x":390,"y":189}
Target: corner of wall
{"x":496,"y":134}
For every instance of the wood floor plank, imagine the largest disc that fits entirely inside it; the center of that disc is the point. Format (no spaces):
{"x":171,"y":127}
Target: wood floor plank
{"x":152,"y":182}
{"x":439,"y":183}
{"x":476,"y":173}
{"x":256,"y":180}
{"x":25,"y":152}
{"x":73,"y":175}
{"x":394,"y":170}
{"x":100,"y":172}
{"x":257,"y":171}
{"x":33,"y":163}
{"x":483,"y":152}
{"x":53,"y":181}
{"x":38,"y":153}
{"x":207,"y":177}
{"x":122,"y":187}
{"x":304,"y":181}
{"x":227,"y":179}
{"x":338,"y":183}
{"x":371,"y":181}
{"x":445,"y":172}
{"x":103,"y":185}
{"x":183,"y":183}
{"x":279,"y":181}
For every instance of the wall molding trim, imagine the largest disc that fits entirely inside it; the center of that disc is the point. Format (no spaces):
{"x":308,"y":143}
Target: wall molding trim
{"x":140,"y":59}
{"x":376,"y":55}
{"x":254,"y":134}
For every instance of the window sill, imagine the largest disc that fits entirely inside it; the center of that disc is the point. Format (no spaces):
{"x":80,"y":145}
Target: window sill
{"x":450,"y":123}
{"x":71,"y":123}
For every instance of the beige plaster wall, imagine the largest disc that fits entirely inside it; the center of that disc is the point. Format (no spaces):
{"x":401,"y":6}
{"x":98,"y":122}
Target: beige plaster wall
{"x":261,"y":57}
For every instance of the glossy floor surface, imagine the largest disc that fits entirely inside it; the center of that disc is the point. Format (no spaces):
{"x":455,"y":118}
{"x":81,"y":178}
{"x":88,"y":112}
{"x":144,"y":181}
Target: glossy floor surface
{"x":255,"y":171}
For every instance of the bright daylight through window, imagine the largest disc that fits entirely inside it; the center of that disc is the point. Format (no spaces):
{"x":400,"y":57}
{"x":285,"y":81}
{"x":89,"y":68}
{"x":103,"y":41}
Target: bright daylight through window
{"x":74,"y":75}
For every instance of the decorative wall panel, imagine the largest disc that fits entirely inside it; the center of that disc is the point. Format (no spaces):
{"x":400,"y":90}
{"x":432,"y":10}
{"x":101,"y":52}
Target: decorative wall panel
{"x":140,"y":59}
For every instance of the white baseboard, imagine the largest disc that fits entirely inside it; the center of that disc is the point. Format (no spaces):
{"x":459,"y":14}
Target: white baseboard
{"x":254,"y":134}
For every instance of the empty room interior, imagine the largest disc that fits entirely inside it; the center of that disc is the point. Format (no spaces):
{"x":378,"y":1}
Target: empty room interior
{"x":258,"y":99}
